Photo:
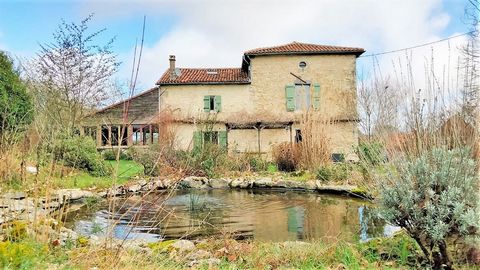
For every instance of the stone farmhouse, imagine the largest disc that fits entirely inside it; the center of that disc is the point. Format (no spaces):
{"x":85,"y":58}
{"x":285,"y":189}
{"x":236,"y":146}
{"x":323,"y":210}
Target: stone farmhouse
{"x":249,"y":108}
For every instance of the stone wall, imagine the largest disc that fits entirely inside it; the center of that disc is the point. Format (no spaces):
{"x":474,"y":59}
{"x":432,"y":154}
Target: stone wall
{"x":334,"y":73}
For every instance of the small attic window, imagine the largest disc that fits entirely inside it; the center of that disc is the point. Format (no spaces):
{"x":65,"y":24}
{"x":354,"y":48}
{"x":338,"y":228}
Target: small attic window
{"x":302,"y":64}
{"x":212,"y":72}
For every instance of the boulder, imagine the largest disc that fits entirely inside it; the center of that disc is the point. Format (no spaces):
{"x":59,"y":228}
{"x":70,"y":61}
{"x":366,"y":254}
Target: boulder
{"x":311,"y":185}
{"x":199,"y":255}
{"x":15,"y":195}
{"x":194,"y":182}
{"x":183,"y":245}
{"x":218,"y":183}
{"x":239,"y":183}
{"x":72,"y":194}
{"x":134,"y":188}
{"x":263,"y":182}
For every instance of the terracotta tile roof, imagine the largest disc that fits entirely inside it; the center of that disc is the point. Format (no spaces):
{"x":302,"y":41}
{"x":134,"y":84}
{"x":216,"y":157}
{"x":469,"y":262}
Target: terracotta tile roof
{"x":206,"y":76}
{"x":305,"y":48}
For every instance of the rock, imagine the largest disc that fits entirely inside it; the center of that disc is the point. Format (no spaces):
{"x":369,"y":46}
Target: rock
{"x":199,"y":255}
{"x":218,"y":183}
{"x":67,"y":235}
{"x":334,"y":188}
{"x":183,"y":245}
{"x":158,"y":184}
{"x":51,"y":205}
{"x":72,"y":194}
{"x":134,"y":188}
{"x":194,"y":182}
{"x":239,"y":183}
{"x":263,"y":182}
{"x":311,"y":185}
{"x":14,"y":195}
{"x":31,"y":169}
{"x":19,"y":205}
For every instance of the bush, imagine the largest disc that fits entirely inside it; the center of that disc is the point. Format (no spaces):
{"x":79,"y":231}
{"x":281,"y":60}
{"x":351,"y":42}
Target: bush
{"x":371,"y":153}
{"x":335,"y":172}
{"x":111,"y":154}
{"x":433,"y":197}
{"x":286,"y":157}
{"x":149,"y":158}
{"x":81,"y":153}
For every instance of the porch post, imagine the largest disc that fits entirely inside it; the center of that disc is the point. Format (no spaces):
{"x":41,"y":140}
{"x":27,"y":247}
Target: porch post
{"x":99,"y":136}
{"x":109,"y":142}
{"x":130,"y":135}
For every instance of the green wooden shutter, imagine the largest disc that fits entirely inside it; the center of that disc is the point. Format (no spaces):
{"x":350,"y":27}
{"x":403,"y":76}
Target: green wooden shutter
{"x":197,"y":139}
{"x":316,"y":96}
{"x":222,"y":138}
{"x":290,"y":97}
{"x":218,"y":103}
{"x":206,"y":103}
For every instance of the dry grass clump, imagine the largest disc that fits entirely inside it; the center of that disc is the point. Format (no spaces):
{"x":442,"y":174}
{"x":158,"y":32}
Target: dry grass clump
{"x":315,"y":147}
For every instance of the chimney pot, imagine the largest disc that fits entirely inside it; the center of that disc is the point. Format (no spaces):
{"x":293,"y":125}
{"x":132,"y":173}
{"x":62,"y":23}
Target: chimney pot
{"x":173,"y":73}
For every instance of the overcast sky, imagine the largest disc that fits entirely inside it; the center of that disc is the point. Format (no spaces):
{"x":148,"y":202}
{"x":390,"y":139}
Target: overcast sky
{"x":215,"y":33}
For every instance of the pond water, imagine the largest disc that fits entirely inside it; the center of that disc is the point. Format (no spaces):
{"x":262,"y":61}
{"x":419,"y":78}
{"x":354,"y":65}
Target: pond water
{"x":264,"y":215}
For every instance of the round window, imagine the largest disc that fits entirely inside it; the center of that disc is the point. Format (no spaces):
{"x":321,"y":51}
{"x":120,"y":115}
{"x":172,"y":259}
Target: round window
{"x":302,"y":64}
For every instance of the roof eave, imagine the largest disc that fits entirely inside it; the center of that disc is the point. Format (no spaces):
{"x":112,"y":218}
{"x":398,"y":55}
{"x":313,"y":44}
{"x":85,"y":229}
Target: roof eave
{"x":356,"y":53}
{"x":201,"y":83}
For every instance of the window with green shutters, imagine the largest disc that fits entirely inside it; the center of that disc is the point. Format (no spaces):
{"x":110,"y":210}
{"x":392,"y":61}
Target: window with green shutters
{"x":222,"y":138}
{"x":197,"y":140}
{"x":212,"y":103}
{"x":215,"y":137}
{"x":290,"y":97}
{"x":316,"y":96}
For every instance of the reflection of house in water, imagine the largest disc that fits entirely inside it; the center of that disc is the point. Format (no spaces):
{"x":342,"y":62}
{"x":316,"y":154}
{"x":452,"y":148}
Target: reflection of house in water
{"x":296,"y":219}
{"x":334,"y":219}
{"x":263,"y":215}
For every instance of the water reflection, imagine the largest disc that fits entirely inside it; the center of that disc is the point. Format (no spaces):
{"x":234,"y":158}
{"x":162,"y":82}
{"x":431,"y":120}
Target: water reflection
{"x":259,"y":214}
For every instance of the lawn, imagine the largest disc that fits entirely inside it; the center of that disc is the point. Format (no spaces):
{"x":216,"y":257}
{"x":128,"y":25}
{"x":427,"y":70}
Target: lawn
{"x":126,"y":170}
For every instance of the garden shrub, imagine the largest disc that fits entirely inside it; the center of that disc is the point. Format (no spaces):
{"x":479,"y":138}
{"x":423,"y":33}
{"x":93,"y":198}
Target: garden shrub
{"x":80,"y":152}
{"x":334,"y":172}
{"x":149,"y":158}
{"x":111,"y":154}
{"x":434,"y":197}
{"x":371,"y":153}
{"x":286,"y":157}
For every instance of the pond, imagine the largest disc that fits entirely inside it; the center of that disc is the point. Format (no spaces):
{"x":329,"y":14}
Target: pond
{"x":265,"y":215}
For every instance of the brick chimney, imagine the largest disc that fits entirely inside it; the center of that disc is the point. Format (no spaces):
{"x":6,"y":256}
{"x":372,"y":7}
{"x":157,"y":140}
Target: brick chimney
{"x":173,"y":73}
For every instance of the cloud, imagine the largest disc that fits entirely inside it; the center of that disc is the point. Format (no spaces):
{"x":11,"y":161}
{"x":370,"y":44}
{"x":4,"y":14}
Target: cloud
{"x":215,"y":33}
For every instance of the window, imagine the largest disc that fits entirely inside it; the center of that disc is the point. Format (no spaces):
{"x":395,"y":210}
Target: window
{"x":302,"y":64}
{"x":105,"y":135}
{"x":212,"y":103}
{"x":215,"y":137}
{"x":299,"y":97}
{"x":336,"y":157}
{"x":298,"y":136}
{"x":211,"y":137}
{"x":90,"y":131}
{"x":136,"y":134}
{"x":302,"y":96}
{"x":114,"y":135}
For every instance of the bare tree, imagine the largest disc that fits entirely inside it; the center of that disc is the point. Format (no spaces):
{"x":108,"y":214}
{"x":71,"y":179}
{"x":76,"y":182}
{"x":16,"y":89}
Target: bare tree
{"x":75,"y":70}
{"x":471,"y":63}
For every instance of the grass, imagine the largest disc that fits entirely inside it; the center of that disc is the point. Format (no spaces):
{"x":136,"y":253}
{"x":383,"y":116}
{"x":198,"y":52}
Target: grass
{"x":126,"y":170}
